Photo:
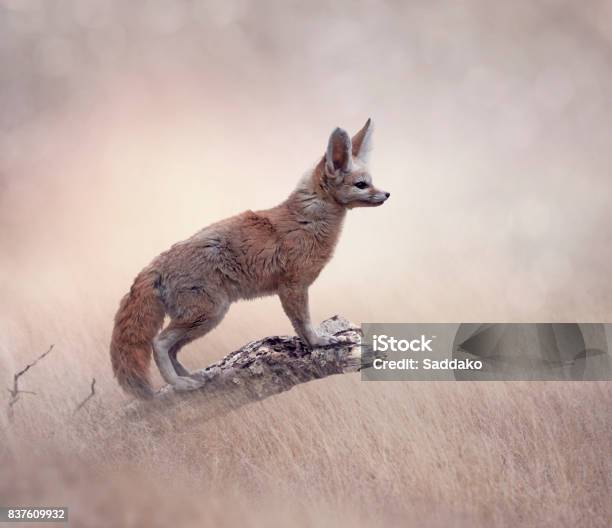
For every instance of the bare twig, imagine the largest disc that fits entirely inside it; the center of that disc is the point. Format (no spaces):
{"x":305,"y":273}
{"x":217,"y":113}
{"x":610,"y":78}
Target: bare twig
{"x":89,"y":396}
{"x":16,"y":391}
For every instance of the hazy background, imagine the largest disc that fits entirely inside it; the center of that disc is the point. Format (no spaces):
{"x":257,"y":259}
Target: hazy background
{"x":127,"y":126}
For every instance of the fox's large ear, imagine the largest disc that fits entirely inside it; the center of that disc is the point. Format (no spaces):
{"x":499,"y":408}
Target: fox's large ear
{"x":338,"y":154}
{"x":362,"y":141}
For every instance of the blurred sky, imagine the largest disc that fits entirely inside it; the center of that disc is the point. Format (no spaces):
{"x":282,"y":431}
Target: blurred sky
{"x":127,"y":126}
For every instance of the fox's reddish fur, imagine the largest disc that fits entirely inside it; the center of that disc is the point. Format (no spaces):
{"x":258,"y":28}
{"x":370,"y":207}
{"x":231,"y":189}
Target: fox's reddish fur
{"x":139,"y":318}
{"x":280,"y":251}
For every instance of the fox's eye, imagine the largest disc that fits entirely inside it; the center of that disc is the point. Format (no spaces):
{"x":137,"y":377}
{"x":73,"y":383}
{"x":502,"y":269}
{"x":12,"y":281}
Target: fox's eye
{"x":361,"y":185}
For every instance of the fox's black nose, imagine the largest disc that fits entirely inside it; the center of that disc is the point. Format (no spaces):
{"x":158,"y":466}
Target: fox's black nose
{"x":387,"y":194}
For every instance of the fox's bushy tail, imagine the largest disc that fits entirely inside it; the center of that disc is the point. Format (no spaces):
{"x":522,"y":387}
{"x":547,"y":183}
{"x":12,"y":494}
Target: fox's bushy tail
{"x":139,"y":318}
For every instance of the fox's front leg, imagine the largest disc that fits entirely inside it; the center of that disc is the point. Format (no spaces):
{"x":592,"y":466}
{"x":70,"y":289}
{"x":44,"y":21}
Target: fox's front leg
{"x":294,"y":298}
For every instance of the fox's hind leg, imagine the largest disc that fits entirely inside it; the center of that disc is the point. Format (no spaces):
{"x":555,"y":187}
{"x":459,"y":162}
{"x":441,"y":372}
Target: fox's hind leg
{"x":176,"y":335}
{"x":178,"y":367}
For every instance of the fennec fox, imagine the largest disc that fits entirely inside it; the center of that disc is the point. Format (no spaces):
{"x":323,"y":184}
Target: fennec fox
{"x":277,"y":251}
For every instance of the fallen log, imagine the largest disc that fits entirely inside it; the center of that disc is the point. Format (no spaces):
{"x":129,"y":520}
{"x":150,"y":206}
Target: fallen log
{"x":263,"y":368}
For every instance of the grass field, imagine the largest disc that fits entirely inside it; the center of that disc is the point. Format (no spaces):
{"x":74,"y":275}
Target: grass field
{"x":335,"y":452}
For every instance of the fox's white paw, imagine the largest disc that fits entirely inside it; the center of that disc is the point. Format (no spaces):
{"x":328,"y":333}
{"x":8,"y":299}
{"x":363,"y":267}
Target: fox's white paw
{"x":185,"y":384}
{"x":324,"y":340}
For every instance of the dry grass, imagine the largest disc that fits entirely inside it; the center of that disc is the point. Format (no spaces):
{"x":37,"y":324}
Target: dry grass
{"x":330,"y":453}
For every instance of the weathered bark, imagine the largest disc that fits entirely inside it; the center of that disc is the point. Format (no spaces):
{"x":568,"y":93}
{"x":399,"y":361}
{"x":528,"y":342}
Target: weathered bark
{"x":263,"y":368}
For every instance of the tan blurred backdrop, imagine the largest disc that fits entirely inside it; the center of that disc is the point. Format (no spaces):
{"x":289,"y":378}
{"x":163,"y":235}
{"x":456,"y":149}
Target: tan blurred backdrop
{"x":127,"y":126}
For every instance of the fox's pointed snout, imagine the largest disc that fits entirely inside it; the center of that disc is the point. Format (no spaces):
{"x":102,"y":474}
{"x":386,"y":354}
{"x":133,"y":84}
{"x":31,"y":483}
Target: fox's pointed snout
{"x":380,"y":197}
